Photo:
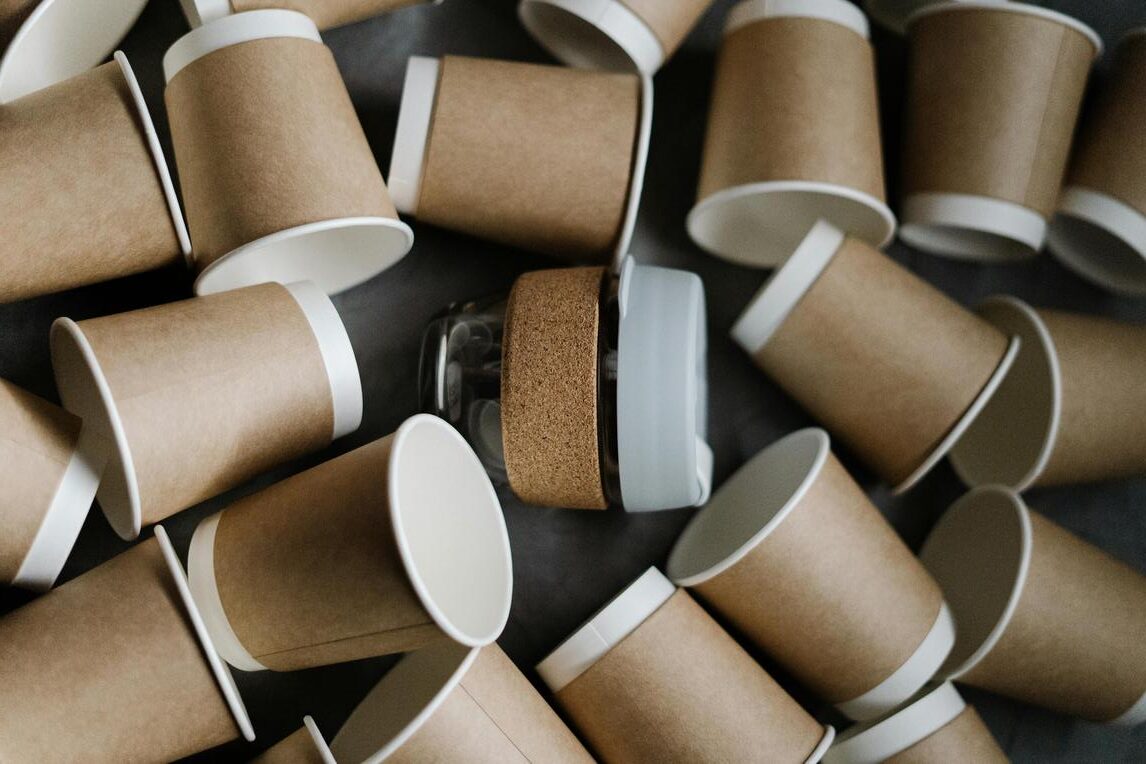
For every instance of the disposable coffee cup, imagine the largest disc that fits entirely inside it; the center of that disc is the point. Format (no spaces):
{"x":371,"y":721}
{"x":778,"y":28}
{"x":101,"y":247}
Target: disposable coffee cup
{"x":447,"y":699}
{"x":1069,"y":409}
{"x":278,"y":179}
{"x":993,"y":95}
{"x":391,"y":547}
{"x":50,"y":471}
{"x":894,"y":14}
{"x":807,"y":146}
{"x":896,"y":370}
{"x":791,"y":543}
{"x":86,"y":152}
{"x":246,"y":380}
{"x":623,"y":35}
{"x":1043,"y":616}
{"x":544,"y":158}
{"x":44,"y":42}
{"x":651,"y":677}
{"x":936,"y":726}
{"x":1099,"y":230}
{"x":130,"y":673}
{"x":326,"y":14}
{"x":305,"y":746}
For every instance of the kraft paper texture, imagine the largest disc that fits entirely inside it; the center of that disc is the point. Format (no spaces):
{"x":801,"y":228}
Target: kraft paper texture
{"x":296,"y":749}
{"x":669,"y":21}
{"x":965,"y":738}
{"x":328,"y":14}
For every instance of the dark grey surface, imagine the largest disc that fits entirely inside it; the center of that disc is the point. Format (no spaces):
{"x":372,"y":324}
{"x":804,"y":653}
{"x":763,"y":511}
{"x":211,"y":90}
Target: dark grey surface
{"x":568,"y":563}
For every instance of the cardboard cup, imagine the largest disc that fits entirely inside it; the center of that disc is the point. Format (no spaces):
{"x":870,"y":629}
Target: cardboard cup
{"x":447,"y":699}
{"x":47,"y":42}
{"x":407,"y":546}
{"x":1100,"y":229}
{"x":305,"y":746}
{"x":85,"y":154}
{"x":896,"y":370}
{"x":326,"y":14}
{"x":277,"y":177}
{"x":806,"y":147}
{"x":247,"y":379}
{"x":1043,"y":616}
{"x":1068,"y":411}
{"x":544,"y":158}
{"x":790,"y":543}
{"x":621,"y":35}
{"x":894,"y":14}
{"x":993,"y":96}
{"x":651,"y":677}
{"x":129,"y":676}
{"x":50,"y":472}
{"x":936,"y":726}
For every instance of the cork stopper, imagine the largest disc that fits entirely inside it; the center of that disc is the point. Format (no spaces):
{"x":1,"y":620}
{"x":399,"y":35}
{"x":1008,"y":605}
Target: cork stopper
{"x":549,"y":388}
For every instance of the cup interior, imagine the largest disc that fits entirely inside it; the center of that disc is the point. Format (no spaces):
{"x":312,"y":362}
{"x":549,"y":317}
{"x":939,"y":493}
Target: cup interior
{"x":1102,"y":240}
{"x":566,"y":30}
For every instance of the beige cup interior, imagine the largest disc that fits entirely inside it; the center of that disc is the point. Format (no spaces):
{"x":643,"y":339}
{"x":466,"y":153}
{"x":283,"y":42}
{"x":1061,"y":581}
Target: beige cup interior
{"x":573,"y":39}
{"x":1098,"y":254}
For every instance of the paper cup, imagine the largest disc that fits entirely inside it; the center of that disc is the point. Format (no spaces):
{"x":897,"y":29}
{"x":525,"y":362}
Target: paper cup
{"x":895,"y":370}
{"x":791,"y":543}
{"x":894,"y":14}
{"x":651,"y":677}
{"x":246,"y":380}
{"x":993,"y":96}
{"x":447,"y":699}
{"x":621,"y":35}
{"x":326,"y":14}
{"x":87,"y":195}
{"x":1068,"y":411}
{"x":306,"y":746}
{"x":49,"y":473}
{"x":1100,"y":229}
{"x":277,"y":177}
{"x":129,"y":674}
{"x":936,"y":726}
{"x":47,"y":42}
{"x":1043,"y":616}
{"x":544,"y":158}
{"x":406,"y":547}
{"x":806,"y":147}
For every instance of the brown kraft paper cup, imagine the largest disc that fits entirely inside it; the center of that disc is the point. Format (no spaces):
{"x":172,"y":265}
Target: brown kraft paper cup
{"x":1100,"y":228}
{"x":326,"y":14}
{"x":652,"y":677}
{"x":277,"y":177}
{"x":285,"y":584}
{"x":86,"y":196}
{"x":128,"y":677}
{"x":544,"y":158}
{"x":936,"y":726}
{"x":447,"y":699}
{"x":248,"y":379}
{"x":305,"y":746}
{"x":895,"y":370}
{"x":807,"y":146}
{"x":793,"y":554}
{"x":50,"y":475}
{"x":1068,"y":411}
{"x":993,"y":96}
{"x":1043,"y":616}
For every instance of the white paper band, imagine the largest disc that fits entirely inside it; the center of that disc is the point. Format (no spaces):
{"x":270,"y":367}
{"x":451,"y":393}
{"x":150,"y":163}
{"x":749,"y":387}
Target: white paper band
{"x":408,"y":157}
{"x":836,"y":11}
{"x":233,"y":30}
{"x":618,"y":26}
{"x":874,"y":743}
{"x":971,"y":227}
{"x":320,"y":746}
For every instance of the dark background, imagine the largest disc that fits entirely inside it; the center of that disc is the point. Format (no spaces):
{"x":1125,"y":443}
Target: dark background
{"x":568,"y":563}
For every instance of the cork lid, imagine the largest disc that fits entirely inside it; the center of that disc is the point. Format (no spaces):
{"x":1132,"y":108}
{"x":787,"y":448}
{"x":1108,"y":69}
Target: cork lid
{"x":593,"y":34}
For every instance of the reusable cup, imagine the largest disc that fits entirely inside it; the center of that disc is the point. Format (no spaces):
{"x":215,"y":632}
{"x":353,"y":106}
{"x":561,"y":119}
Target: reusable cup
{"x":450,"y":701}
{"x":43,"y":42}
{"x":894,"y":14}
{"x":115,"y":666}
{"x":86,"y":195}
{"x":278,"y":179}
{"x":305,"y":746}
{"x":791,"y":543}
{"x":1100,"y":228}
{"x":190,"y":399}
{"x":611,"y":34}
{"x":1043,"y":616}
{"x":50,"y":471}
{"x":993,"y":95}
{"x":1069,"y":411}
{"x":326,"y":14}
{"x":936,"y":726}
{"x":544,"y":158}
{"x":391,"y":547}
{"x":891,"y":366}
{"x":651,"y":677}
{"x":793,"y":133}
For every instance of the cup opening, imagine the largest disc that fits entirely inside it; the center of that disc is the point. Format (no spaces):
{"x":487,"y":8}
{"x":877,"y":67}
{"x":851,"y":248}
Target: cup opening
{"x":593,"y":34}
{"x":823,"y":746}
{"x":233,"y":30}
{"x":979,"y":553}
{"x":415,"y":115}
{"x":636,"y":174}
{"x":748,"y":507}
{"x":973,"y":228}
{"x":450,"y":532}
{"x":320,"y":746}
{"x":873,"y":742}
{"x":1100,"y":239}
{"x":836,"y":11}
